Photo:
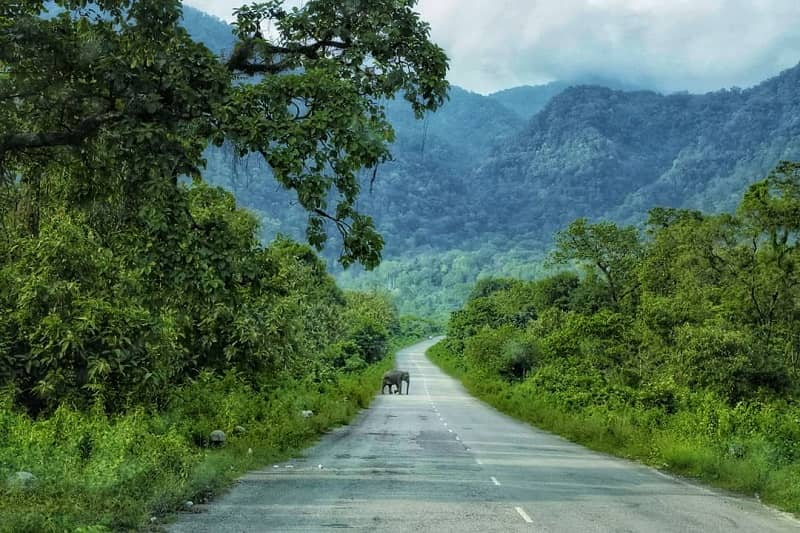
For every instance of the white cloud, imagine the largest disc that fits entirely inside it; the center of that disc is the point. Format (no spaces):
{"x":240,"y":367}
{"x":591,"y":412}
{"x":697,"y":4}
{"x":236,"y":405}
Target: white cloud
{"x":696,"y":45}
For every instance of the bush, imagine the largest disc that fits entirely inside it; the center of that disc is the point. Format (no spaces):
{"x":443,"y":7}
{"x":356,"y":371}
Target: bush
{"x":728,"y":362}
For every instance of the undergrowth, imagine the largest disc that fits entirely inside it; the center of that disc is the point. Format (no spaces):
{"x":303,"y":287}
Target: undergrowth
{"x":752,"y":448}
{"x":97,"y":472}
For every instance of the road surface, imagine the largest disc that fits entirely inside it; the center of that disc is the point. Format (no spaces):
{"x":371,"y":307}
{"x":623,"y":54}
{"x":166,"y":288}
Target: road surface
{"x":439,"y":460}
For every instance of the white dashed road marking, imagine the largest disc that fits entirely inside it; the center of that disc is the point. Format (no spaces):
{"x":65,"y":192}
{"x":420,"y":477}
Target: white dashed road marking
{"x":494,"y":480}
{"x":524,"y":515}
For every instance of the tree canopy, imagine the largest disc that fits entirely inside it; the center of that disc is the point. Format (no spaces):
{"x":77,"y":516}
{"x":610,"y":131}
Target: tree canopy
{"x":118,"y":100}
{"x":121,"y":278}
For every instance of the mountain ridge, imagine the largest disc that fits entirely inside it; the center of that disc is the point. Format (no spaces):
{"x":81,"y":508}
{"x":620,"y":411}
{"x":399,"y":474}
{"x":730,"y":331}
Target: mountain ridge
{"x":494,"y":176}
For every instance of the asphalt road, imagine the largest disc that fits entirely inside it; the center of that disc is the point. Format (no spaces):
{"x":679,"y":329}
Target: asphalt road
{"x":440,"y":460}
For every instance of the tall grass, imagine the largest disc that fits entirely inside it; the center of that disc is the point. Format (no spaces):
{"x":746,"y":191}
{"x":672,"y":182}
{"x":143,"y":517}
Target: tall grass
{"x":100,"y":473}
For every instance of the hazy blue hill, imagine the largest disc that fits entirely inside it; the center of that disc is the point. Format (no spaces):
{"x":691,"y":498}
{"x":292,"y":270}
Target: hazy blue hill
{"x":213,"y":32}
{"x":595,"y":152}
{"x":528,"y":100}
{"x":590,"y":152}
{"x":469,"y":121}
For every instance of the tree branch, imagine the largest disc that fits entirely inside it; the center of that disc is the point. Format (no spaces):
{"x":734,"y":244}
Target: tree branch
{"x":341,"y":225}
{"x":69,"y":137}
{"x":240,"y":60}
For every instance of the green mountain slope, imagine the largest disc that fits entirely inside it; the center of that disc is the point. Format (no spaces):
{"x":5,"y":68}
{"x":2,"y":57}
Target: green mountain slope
{"x":597,"y":152}
{"x":479,"y":187}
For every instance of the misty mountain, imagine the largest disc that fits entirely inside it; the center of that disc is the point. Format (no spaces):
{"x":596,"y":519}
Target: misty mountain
{"x":601,"y":153}
{"x":527,"y":100}
{"x":483,"y":183}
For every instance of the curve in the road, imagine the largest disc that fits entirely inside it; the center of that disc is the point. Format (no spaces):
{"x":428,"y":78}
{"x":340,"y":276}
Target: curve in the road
{"x":440,"y":460}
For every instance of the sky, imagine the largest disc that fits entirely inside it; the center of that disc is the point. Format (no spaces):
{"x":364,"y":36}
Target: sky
{"x":667,"y":45}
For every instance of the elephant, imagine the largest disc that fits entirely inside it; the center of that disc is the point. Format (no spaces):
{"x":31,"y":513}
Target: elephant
{"x":396,"y":377}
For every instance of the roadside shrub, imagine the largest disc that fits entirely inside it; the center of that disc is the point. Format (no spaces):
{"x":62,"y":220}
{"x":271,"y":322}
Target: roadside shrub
{"x":728,"y":362}
{"x":504,"y":352}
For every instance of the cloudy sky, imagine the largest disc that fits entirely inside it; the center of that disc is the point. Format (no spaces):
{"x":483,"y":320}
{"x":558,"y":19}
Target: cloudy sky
{"x":670,"y":45}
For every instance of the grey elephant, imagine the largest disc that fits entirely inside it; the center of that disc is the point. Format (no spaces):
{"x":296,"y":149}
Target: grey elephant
{"x":396,"y":377}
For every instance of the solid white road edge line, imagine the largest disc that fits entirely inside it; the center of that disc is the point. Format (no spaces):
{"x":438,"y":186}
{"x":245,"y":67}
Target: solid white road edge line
{"x":524,"y":515}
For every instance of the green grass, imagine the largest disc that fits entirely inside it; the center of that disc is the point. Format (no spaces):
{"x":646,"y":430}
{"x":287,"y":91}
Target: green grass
{"x":746,"y":451}
{"x":99,"y":473}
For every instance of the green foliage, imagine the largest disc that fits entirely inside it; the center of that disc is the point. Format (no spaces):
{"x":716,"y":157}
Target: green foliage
{"x":723,"y":361}
{"x":106,"y":472}
{"x":414,"y":327}
{"x":691,"y":366}
{"x":139,"y":308}
{"x":120,"y":279}
{"x":119,"y":102}
{"x":503,"y":352}
{"x":613,"y":251}
{"x":434,"y":283}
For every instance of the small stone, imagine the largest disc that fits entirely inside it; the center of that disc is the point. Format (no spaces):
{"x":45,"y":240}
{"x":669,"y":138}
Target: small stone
{"x":307,"y":413}
{"x":22,"y":479}
{"x":319,"y":466}
{"x":188,"y":504}
{"x":249,"y":451}
{"x":239,"y":429}
{"x":736,"y":450}
{"x":217,"y":438}
{"x":275,"y":466}
{"x":153,"y":519}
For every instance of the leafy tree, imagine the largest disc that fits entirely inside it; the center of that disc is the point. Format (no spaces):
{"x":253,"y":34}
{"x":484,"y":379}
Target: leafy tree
{"x":769,"y":261}
{"x":114,"y":101}
{"x":556,"y":291}
{"x":487,"y":286}
{"x":120,"y":278}
{"x":371,"y":320}
{"x":604,"y":246}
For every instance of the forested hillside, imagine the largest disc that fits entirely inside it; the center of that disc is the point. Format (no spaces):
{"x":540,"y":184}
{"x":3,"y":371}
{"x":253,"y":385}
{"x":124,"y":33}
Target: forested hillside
{"x":478,"y":187}
{"x":601,"y":153}
{"x":677,"y":345}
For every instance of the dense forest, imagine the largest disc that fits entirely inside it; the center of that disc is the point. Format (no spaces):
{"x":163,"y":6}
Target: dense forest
{"x":151,"y":345}
{"x":679,"y":346}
